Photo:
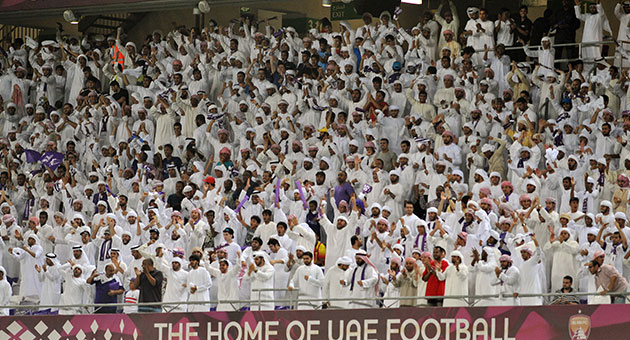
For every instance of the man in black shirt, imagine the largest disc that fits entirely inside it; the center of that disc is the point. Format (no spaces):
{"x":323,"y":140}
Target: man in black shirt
{"x":175,"y":200}
{"x":149,"y":282}
{"x":522,"y":33}
{"x":121,"y":95}
{"x":566,"y":24}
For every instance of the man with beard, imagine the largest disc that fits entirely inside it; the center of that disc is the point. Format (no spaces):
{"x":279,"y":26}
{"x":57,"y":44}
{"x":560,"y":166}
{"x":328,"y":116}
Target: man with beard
{"x":309,"y":279}
{"x":361,"y":280}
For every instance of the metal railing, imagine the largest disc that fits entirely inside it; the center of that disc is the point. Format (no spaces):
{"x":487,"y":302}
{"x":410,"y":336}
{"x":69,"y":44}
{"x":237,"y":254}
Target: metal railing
{"x":579,"y":45}
{"x":471,"y":301}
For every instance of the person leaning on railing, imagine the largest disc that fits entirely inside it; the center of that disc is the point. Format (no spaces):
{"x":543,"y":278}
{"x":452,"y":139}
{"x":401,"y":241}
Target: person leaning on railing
{"x":609,"y":279}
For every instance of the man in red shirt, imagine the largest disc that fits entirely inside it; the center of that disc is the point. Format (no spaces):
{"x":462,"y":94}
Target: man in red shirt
{"x":434,"y":275}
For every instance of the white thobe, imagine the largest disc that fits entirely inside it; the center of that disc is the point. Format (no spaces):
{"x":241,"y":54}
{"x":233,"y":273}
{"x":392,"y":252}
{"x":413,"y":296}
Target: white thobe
{"x":29,"y":282}
{"x":338,"y":239}
{"x":564,"y":262}
{"x":262,"y":279}
{"x":333,"y":289}
{"x":175,"y":290}
{"x":227,"y":284}
{"x":594,"y":24}
{"x":369,"y":278}
{"x":51,"y":286}
{"x":5,"y":293}
{"x":75,"y":292}
{"x":509,"y":283}
{"x":530,"y":280}
{"x":201,"y":279}
{"x":456,"y":283}
{"x":280,"y":276}
{"x":311,"y":288}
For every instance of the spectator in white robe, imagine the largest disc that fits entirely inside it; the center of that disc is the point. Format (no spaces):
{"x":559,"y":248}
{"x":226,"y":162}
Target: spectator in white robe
{"x":456,"y":282}
{"x":278,"y":258}
{"x":75,"y":289}
{"x":530,"y":268}
{"x":484,"y":265}
{"x":309,"y":279}
{"x":564,"y":249}
{"x":29,"y":256}
{"x":362,"y":280}
{"x":226,"y":279}
{"x":48,"y":275}
{"x":338,"y":235}
{"x":260,"y":273}
{"x":333,"y":288}
{"x":393,"y":195}
{"x":176,"y":286}
{"x":595,"y":23}
{"x":199,"y":283}
{"x":508,"y":278}
{"x":5,"y":292}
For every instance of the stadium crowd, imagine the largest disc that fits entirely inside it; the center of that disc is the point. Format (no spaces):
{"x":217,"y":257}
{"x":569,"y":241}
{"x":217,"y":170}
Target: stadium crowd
{"x":372,"y":161}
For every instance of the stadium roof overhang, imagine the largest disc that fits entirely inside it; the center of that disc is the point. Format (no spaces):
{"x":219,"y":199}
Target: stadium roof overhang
{"x":33,"y":9}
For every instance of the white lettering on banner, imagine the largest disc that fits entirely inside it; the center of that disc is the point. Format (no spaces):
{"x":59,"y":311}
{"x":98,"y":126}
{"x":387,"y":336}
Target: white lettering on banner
{"x":311,"y":328}
{"x":171,"y":334}
{"x":506,"y":329}
{"x":356,"y":333}
{"x":435,"y":324}
{"x":447,"y":327}
{"x":179,"y":330}
{"x":403,"y":329}
{"x":390,"y":330}
{"x":366,"y":329}
{"x":461,"y":328}
{"x":212,"y":334}
{"x":299,"y":325}
{"x":483,"y":333}
{"x":255,"y":333}
{"x":237,"y":326}
{"x":190,"y":331}
{"x":159,"y":326}
{"x":493,"y":328}
{"x":268,"y":331}
{"x":330,"y":330}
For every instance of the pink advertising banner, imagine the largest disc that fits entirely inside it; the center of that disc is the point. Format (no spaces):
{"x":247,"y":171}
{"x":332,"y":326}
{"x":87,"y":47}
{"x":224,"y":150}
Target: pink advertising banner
{"x":491,"y":323}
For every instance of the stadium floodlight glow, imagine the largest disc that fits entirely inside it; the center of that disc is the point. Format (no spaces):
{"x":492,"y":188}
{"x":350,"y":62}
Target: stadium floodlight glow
{"x":412,"y":2}
{"x":326,"y":3}
{"x":203,"y":6}
{"x":69,"y":16}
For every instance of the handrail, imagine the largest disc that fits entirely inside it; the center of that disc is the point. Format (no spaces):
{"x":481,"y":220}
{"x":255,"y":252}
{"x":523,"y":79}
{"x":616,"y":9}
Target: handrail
{"x":468,"y":298}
